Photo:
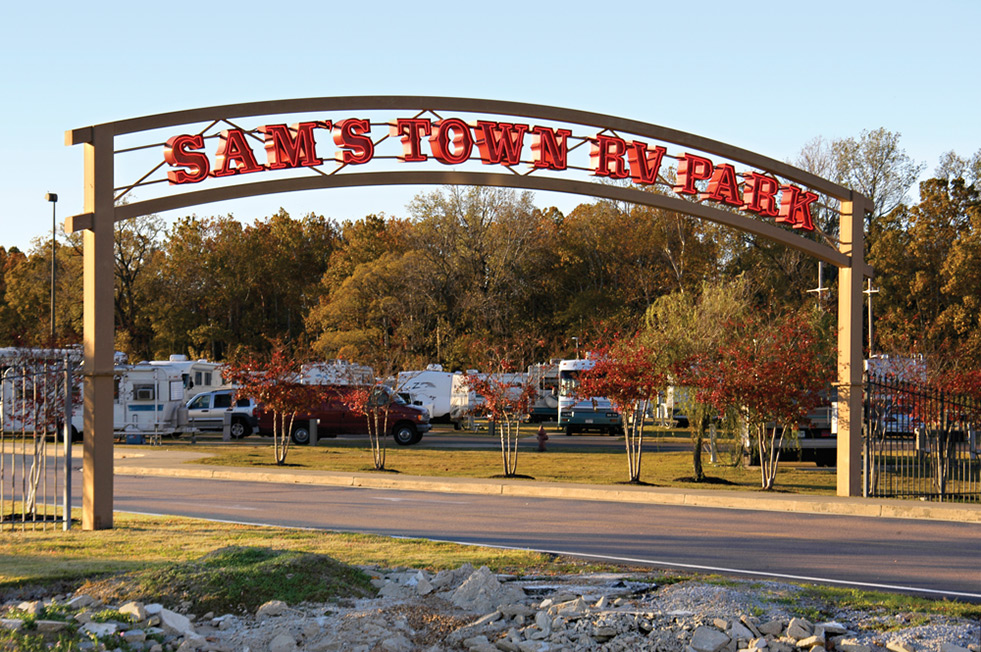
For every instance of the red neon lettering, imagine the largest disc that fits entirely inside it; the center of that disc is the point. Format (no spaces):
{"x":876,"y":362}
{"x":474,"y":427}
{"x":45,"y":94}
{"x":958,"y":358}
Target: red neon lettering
{"x":549,"y":148}
{"x":723,"y":186}
{"x":286,"y":150}
{"x":644,"y":163}
{"x":760,"y":194}
{"x":692,"y":168}
{"x":606,"y":157}
{"x":411,"y":130}
{"x":234,"y":156}
{"x":176,"y":153}
{"x":499,"y":142}
{"x":795,"y":207}
{"x":452,"y":143}
{"x":350,"y":134}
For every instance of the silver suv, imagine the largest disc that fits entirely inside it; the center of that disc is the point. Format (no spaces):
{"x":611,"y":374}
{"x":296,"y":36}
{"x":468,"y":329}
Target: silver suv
{"x":206,"y":411}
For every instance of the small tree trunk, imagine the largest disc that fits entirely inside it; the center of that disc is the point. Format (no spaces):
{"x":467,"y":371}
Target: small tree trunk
{"x":770,"y":459}
{"x":509,"y":445}
{"x":634,"y":440}
{"x":513,"y":429}
{"x":696,"y":458}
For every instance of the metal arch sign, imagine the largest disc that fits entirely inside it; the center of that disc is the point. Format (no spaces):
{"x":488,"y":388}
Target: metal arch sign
{"x":452,"y":141}
{"x":205,"y":155}
{"x":188,"y":158}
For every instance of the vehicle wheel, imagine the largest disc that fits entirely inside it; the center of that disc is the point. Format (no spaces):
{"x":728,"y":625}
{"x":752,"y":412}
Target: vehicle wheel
{"x":301,"y":435}
{"x":240,"y":428}
{"x":569,"y":431}
{"x":405,"y":434}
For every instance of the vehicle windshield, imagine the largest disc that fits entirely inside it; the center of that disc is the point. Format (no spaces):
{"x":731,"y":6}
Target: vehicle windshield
{"x":568,"y":381}
{"x":389,"y":395}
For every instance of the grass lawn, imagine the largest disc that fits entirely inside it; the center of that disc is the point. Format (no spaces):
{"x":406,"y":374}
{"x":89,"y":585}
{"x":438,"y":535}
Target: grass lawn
{"x":139,"y":542}
{"x":566,"y":463}
{"x":148,"y":548}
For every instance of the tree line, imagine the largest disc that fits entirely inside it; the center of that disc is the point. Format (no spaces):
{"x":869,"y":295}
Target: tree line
{"x":471,"y":268}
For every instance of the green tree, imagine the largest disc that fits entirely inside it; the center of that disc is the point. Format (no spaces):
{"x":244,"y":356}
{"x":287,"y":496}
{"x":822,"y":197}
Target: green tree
{"x":137,"y":245}
{"x":372,"y":316}
{"x":685,"y":327}
{"x":927,"y":258}
{"x":27,"y":294}
{"x":876,"y":166}
{"x":482,"y":252}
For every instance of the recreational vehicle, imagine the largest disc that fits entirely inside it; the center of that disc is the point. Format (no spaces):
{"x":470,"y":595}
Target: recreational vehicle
{"x":545,"y":377}
{"x":431,"y":389}
{"x":579,"y":414}
{"x":148,"y":398}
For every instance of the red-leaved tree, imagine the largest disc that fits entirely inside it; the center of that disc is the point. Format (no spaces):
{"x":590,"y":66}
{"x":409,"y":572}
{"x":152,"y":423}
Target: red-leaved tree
{"x":374,"y":402}
{"x":274,"y":384}
{"x":630,"y":374}
{"x":506,"y":398}
{"x":773,"y":372}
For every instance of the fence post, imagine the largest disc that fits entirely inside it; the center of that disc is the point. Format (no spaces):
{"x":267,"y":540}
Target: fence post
{"x":867,"y":437}
{"x":67,"y":434}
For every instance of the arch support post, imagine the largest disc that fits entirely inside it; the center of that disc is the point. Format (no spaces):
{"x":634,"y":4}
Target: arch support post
{"x":850,"y":354}
{"x":98,"y":332}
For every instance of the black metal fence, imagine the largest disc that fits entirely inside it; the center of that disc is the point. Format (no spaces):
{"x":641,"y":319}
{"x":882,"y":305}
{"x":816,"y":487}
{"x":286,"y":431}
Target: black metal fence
{"x":36,"y":400}
{"x":920,"y":442}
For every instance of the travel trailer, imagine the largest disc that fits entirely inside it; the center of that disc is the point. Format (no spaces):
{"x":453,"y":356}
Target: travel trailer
{"x":148,"y":400}
{"x":464,"y":400}
{"x":148,"y":397}
{"x":32,"y":388}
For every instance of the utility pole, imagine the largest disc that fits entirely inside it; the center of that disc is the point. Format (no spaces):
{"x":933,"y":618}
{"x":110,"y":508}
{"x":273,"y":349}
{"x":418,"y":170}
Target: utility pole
{"x":870,"y":291}
{"x":820,"y":289}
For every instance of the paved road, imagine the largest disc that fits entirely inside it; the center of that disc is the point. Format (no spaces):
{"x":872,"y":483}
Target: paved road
{"x":938,"y":558}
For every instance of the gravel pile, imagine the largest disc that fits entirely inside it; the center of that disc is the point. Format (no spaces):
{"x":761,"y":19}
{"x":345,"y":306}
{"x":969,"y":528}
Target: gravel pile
{"x":478,"y":611}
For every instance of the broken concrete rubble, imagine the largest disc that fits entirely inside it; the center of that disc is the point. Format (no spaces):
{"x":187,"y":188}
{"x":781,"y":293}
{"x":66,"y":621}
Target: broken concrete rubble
{"x":479,"y":611}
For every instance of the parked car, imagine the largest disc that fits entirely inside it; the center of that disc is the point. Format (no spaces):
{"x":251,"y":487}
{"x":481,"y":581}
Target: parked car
{"x":406,"y":423}
{"x":206,"y":411}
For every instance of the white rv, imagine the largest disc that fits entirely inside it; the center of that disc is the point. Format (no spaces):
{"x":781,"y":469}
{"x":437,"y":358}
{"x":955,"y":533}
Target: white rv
{"x":148,"y":398}
{"x":464,"y":401}
{"x":431,"y":389}
{"x":545,"y":377}
{"x":198,"y":375}
{"x":336,"y":372}
{"x":32,"y":387}
{"x":578,"y":414}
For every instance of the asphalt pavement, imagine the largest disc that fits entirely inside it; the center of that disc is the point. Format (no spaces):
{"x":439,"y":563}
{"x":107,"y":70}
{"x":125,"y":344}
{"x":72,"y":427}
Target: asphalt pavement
{"x":163,"y":461}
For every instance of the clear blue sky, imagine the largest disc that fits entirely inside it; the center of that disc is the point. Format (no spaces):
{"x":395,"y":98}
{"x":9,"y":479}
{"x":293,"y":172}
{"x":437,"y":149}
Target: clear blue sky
{"x":766,"y":76}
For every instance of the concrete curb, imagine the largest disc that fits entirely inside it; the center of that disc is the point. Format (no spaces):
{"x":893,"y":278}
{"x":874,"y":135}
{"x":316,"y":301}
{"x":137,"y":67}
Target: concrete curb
{"x":827,"y":505}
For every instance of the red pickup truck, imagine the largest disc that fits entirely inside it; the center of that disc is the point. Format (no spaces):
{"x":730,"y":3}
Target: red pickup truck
{"x":406,"y":423}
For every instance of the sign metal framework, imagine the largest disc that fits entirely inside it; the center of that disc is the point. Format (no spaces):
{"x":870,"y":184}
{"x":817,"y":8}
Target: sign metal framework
{"x":204,"y":155}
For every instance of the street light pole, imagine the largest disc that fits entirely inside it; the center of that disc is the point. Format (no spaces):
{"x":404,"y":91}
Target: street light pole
{"x":53,"y":198}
